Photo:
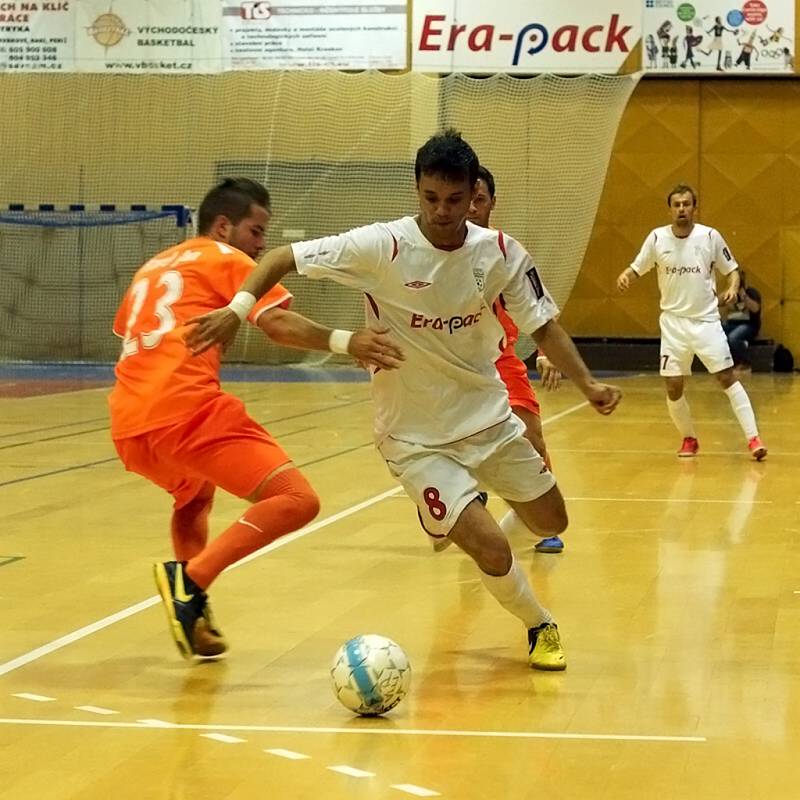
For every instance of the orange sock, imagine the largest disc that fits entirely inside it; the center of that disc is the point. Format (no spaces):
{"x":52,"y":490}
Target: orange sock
{"x":287,"y":503}
{"x":190,"y":524}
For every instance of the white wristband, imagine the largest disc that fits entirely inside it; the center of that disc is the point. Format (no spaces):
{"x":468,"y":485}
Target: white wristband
{"x":242,"y":304}
{"x":339,"y":341}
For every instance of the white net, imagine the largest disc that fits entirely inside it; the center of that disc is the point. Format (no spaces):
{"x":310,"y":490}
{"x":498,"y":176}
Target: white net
{"x":62,"y":275}
{"x":336,"y":151}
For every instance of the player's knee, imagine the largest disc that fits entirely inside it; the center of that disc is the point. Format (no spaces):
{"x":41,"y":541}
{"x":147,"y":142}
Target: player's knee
{"x":300,"y":500}
{"x":495,"y":556}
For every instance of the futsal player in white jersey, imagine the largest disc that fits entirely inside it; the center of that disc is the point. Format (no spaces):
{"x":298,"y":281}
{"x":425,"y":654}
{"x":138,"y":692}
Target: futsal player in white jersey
{"x":685,"y":255}
{"x":443,"y":423}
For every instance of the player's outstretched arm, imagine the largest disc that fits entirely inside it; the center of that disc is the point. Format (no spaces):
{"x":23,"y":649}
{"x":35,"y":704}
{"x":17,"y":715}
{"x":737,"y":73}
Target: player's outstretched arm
{"x":372,"y":348}
{"x":561,"y":350}
{"x":220,"y":326}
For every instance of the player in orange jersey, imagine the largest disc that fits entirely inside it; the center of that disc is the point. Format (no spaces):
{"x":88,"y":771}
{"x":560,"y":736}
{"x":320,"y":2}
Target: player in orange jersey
{"x":513,"y":371}
{"x":172,"y":423}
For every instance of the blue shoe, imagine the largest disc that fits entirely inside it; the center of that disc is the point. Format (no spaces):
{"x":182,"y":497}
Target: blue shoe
{"x":552,"y":544}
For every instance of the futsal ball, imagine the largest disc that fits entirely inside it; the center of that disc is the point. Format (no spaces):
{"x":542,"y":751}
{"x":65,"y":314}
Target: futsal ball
{"x":370,"y":674}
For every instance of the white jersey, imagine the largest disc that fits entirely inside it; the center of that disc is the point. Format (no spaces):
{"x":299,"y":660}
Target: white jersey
{"x":437,"y":304}
{"x":686,"y":269}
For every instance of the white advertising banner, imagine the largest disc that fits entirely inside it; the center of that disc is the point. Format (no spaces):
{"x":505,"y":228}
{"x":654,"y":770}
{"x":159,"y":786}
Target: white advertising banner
{"x":326,"y":34}
{"x":179,"y":36}
{"x":185,"y":36}
{"x":711,"y":36}
{"x":570,"y":36}
{"x":36,"y":36}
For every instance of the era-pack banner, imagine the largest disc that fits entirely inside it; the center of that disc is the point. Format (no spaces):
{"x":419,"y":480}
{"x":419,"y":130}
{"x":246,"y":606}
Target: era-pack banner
{"x":518,"y":36}
{"x":718,"y":37}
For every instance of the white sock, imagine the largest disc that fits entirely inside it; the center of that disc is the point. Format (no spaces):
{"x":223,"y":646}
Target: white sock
{"x":681,"y":415}
{"x":514,"y":593}
{"x":740,"y":403}
{"x":511,"y":524}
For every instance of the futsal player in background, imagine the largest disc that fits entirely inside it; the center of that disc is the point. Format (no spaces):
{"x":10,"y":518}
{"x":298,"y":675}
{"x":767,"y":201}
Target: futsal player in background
{"x":685,"y":255}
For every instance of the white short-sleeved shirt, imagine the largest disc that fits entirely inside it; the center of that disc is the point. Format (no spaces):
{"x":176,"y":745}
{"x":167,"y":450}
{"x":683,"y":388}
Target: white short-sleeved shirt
{"x":685,"y":269}
{"x":437,"y":304}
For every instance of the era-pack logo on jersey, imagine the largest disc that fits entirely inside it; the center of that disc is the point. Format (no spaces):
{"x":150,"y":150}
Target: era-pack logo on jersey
{"x":417,"y":284}
{"x":529,"y":40}
{"x":450,"y":325}
{"x":685,"y":270}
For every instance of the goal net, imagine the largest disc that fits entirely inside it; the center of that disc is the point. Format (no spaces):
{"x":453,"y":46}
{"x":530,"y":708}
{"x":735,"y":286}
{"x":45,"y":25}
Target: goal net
{"x":64,"y":270}
{"x":336,"y":150}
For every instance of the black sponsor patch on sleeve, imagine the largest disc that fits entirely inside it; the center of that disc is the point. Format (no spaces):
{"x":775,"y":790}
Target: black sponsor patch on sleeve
{"x":536,"y":282}
{"x":727,"y":254}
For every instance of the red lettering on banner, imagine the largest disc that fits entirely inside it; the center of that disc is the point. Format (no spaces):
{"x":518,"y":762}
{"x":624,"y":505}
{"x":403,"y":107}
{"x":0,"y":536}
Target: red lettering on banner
{"x":559,"y":45}
{"x":486,"y":44}
{"x":455,"y":30}
{"x":615,"y":36}
{"x":586,"y":40}
{"x":428,"y":31}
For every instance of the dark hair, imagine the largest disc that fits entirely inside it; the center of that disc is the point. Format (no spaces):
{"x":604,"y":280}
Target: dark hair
{"x":682,"y":188}
{"x":232,"y":198}
{"x":448,"y":156}
{"x":487,"y":177}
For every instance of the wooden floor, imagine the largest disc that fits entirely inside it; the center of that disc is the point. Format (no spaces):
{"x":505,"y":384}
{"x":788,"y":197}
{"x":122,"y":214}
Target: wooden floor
{"x":678,"y":597}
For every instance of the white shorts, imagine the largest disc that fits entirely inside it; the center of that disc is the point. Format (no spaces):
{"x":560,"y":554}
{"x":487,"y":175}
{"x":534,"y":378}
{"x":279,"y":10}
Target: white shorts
{"x":443,"y":479}
{"x":683,"y":338}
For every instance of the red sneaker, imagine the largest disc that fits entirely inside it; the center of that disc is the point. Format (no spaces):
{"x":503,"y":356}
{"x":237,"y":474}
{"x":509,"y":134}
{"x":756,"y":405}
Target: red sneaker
{"x":689,"y":448}
{"x":757,"y":448}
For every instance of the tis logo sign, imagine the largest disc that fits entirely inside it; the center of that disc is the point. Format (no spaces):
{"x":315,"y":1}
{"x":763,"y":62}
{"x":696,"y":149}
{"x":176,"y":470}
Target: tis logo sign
{"x":529,"y":40}
{"x":255,"y":10}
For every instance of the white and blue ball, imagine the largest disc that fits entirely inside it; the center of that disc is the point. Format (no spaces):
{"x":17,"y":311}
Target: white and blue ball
{"x":370,"y":674}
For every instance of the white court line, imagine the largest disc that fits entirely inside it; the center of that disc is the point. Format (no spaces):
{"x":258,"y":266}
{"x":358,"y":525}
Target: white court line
{"x":668,"y":500}
{"x":223,"y":737}
{"x":177,"y":726}
{"x":564,"y":413}
{"x":419,"y":791}
{"x":352,"y":771}
{"x":88,"y":630}
{"x":37,"y":698}
{"x":96,"y":710}
{"x":290,"y":754}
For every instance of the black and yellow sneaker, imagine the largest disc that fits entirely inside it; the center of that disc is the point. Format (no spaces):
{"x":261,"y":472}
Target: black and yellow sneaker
{"x":544,"y":647}
{"x":208,"y":640}
{"x":184,"y":602}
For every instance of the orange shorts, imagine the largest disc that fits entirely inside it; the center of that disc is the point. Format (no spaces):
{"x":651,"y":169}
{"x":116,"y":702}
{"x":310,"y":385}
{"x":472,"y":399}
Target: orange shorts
{"x":514,"y":375}
{"x":219,"y":444}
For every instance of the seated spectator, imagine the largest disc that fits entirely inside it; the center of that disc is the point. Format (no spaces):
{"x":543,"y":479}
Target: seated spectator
{"x":743,"y":322}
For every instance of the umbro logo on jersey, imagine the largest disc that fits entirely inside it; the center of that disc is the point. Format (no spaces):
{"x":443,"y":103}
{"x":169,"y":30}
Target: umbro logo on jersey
{"x":417,"y":284}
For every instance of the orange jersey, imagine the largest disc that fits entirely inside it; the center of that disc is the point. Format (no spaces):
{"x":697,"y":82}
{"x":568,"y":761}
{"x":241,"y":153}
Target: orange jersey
{"x":159,"y":382}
